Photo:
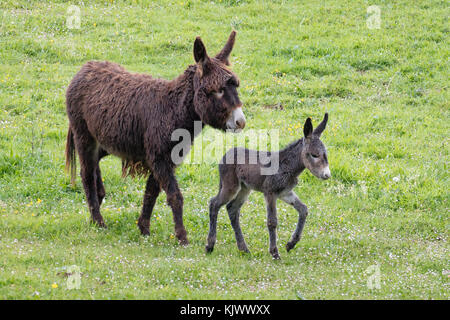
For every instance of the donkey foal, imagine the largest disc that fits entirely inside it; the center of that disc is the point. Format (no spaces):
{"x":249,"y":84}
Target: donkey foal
{"x":239,"y":177}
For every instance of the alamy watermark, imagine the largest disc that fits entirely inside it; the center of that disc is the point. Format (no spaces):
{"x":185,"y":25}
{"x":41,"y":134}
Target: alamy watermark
{"x":212,"y":149}
{"x":73,"y":20}
{"x":373,"y":273}
{"x":373,"y":20}
{"x":73,"y":277}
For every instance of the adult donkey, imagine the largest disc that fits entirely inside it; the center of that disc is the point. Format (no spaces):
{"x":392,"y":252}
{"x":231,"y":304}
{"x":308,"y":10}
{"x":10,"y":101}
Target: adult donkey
{"x":132,"y":116}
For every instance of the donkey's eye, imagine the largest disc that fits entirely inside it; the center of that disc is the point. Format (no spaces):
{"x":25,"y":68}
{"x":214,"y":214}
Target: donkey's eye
{"x":218,"y":94}
{"x":315,"y":156}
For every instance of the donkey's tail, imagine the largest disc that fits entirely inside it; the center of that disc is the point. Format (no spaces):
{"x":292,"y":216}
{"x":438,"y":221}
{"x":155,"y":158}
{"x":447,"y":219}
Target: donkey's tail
{"x":71,"y":163}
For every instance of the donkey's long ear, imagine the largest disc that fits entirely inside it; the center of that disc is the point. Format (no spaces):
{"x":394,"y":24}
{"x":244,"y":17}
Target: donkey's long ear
{"x":199,"y":50}
{"x":308,"y":128}
{"x":224,"y":54}
{"x":318,"y":131}
{"x":200,"y":55}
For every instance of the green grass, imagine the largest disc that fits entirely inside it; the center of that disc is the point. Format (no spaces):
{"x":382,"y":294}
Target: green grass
{"x":386,"y":91}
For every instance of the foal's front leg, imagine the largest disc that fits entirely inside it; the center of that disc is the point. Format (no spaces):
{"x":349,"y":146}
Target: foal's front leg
{"x":272,"y":222}
{"x":234,"y":208}
{"x":292,"y":199}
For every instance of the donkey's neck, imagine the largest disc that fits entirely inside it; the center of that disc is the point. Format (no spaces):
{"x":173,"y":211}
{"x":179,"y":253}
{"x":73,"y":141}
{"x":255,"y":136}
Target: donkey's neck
{"x":182,"y":96}
{"x":291,"y":160}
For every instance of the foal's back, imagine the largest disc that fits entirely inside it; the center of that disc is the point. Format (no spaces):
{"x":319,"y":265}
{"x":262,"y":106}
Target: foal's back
{"x":244,"y":167}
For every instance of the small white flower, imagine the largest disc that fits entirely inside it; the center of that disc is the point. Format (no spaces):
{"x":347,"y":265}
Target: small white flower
{"x":396,"y":179}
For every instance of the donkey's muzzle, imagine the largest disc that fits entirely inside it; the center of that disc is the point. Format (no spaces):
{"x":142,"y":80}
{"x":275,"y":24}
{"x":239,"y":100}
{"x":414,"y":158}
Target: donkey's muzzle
{"x":236,"y":120}
{"x":326,"y":174}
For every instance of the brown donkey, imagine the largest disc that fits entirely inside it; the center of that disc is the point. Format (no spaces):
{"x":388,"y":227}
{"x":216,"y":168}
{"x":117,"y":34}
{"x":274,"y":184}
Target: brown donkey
{"x":133,"y":116}
{"x":240,"y":176}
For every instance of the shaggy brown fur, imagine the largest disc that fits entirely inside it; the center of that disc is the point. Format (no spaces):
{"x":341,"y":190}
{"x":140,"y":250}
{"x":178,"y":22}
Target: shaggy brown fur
{"x":132,"y":116}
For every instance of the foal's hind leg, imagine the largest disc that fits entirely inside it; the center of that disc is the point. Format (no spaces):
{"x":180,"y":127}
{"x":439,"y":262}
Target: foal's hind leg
{"x":272,"y":222}
{"x":227,"y":193}
{"x":152,"y":191}
{"x":233,"y":209}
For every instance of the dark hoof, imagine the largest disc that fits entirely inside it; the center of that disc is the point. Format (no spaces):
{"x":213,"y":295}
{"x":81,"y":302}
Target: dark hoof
{"x":275,"y":254}
{"x":209,"y":249}
{"x":243,"y":248}
{"x":289,"y":246}
{"x":144,"y":231}
{"x":100,"y":223}
{"x":182,"y":236}
{"x":184,"y":242}
{"x":144,"y":226}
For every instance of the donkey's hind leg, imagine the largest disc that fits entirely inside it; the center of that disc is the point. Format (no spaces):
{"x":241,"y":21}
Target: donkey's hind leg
{"x":228,"y":191}
{"x":88,"y":153}
{"x":233,"y":209}
{"x":100,"y":188}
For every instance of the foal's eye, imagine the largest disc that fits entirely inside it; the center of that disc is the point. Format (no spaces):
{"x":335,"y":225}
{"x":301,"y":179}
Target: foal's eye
{"x":314,"y":156}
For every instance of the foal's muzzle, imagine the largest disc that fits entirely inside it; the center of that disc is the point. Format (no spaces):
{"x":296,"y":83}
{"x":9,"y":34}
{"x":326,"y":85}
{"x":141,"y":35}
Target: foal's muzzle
{"x":326,"y":173}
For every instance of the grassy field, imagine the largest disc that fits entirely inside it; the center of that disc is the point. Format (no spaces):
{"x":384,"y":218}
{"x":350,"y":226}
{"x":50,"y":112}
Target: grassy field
{"x":384,"y":214}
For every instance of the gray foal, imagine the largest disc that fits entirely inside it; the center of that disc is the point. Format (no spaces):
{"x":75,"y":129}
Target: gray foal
{"x":238,"y":178}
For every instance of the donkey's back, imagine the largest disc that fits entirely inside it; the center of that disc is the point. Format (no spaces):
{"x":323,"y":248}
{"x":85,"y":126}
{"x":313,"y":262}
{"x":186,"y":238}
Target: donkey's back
{"x":112,"y":105}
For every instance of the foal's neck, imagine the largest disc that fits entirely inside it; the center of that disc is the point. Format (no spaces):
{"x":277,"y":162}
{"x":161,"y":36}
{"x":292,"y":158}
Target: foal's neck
{"x":291,"y":160}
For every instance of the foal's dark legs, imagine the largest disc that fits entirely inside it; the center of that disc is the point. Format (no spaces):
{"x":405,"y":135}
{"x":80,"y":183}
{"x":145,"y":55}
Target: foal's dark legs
{"x":302,"y":210}
{"x":272,"y":222}
{"x":233,"y":209}
{"x":152,"y":191}
{"x":226,"y":194}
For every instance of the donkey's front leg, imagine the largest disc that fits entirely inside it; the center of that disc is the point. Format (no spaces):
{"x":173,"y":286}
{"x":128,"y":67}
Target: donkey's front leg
{"x":292,"y":199}
{"x":272,"y":222}
{"x":152,"y":191}
{"x":166,"y":177}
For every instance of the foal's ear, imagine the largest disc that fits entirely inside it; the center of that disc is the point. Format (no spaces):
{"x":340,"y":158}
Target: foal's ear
{"x":318,"y":131}
{"x":224,"y":54}
{"x":308,"y":128}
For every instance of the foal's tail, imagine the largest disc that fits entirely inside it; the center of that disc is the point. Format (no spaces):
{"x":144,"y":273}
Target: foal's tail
{"x":71,"y":163}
